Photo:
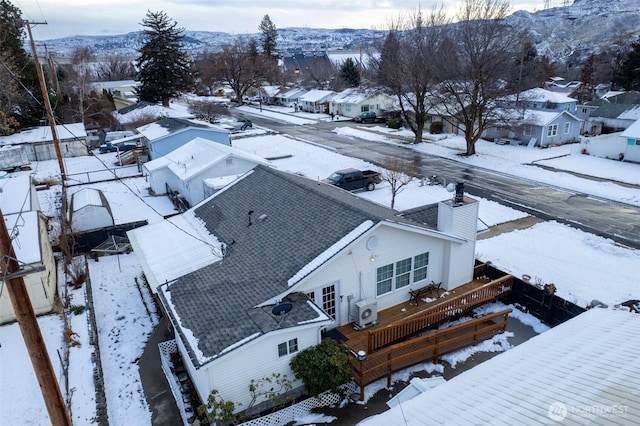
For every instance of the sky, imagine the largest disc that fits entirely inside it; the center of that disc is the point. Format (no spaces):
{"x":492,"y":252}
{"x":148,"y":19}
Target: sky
{"x":123,"y":321}
{"x":67,"y":18}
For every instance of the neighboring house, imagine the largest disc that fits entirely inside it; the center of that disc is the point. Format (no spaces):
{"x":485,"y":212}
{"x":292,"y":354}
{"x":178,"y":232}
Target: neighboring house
{"x":545,"y":128}
{"x":316,"y":101}
{"x":611,"y":118}
{"x":354,"y":101}
{"x":289,"y":97}
{"x":545,"y":100}
{"x":164,"y":136}
{"x":27,"y":227}
{"x":148,"y":112}
{"x":89,"y":210}
{"x":192,"y":170}
{"x":313,"y":64}
{"x":38,"y":143}
{"x":632,"y":138}
{"x":123,"y":92}
{"x":268,"y":94}
{"x":576,"y":373}
{"x":274,"y":241}
{"x":538,"y":117}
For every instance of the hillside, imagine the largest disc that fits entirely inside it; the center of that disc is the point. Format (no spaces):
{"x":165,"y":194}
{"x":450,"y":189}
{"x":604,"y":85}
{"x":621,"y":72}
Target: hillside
{"x":563,"y":34}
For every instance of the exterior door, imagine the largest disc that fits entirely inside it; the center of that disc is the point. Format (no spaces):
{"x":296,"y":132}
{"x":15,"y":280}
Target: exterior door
{"x":326,"y":298}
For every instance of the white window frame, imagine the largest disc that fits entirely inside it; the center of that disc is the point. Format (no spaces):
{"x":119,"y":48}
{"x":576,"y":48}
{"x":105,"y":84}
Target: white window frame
{"x":552,"y":130}
{"x":391,"y":276}
{"x":567,"y":127}
{"x":290,"y":347}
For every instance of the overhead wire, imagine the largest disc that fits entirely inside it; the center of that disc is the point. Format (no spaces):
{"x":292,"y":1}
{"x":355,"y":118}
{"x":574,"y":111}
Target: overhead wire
{"x":216,"y":250}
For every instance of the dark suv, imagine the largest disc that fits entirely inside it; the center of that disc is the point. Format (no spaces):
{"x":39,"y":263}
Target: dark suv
{"x":368,"y":117}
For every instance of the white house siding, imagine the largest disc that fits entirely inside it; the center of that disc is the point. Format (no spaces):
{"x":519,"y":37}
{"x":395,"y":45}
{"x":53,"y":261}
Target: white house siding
{"x":356,"y":272}
{"x":231,"y":374}
{"x":193,"y":188}
{"x":561,"y":137}
{"x":462,"y":221}
{"x":41,"y":286}
{"x":159,"y":178}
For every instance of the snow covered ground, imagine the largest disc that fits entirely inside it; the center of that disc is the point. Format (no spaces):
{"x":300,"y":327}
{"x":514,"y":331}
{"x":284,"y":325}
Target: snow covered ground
{"x":582,"y":266}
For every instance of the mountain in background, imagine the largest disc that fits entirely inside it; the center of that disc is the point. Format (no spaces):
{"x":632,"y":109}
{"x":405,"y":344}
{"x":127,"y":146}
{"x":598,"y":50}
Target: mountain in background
{"x":564,"y":34}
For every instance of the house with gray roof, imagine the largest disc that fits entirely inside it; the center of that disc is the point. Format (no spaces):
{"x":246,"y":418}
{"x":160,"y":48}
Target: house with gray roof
{"x":316,"y":101}
{"x":259,"y":271}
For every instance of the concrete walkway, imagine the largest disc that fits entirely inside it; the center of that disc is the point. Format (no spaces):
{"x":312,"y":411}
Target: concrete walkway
{"x":164,"y":410}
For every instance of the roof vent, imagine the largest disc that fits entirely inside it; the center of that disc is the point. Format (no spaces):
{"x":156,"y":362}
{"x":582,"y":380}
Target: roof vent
{"x":263,"y":217}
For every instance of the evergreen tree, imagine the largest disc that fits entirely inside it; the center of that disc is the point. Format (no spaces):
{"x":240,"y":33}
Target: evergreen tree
{"x":269,"y":36}
{"x":350,"y":73}
{"x":165,"y":69}
{"x":19,"y":67}
{"x":629,"y":74}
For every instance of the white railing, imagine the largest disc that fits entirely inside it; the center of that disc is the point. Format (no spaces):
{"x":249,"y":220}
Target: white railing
{"x":166,"y":349}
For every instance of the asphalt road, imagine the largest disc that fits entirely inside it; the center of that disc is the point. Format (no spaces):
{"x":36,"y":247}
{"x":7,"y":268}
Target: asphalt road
{"x":617,"y":221}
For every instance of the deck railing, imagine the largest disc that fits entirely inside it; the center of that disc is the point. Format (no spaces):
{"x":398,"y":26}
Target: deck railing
{"x":385,"y":362}
{"x":438,"y":313}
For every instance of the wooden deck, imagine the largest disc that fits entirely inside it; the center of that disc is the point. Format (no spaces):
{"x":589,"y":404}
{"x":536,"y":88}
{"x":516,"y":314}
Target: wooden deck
{"x":357,"y":340}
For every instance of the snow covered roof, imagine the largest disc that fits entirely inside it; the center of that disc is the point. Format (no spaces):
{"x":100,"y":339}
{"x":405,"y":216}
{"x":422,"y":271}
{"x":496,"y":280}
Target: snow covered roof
{"x":293,"y":93}
{"x":174,"y":247}
{"x":88,"y":197}
{"x":353,"y":96}
{"x":24,"y":229}
{"x":170,"y":125}
{"x":316,"y":95}
{"x":136,"y":112}
{"x":198,"y":155}
{"x":632,"y":131}
{"x":15,"y":193}
{"x":632,"y":113}
{"x":543,"y":95}
{"x":584,"y":370}
{"x":262,"y":259}
{"x":269,"y":91}
{"x":43,"y":134}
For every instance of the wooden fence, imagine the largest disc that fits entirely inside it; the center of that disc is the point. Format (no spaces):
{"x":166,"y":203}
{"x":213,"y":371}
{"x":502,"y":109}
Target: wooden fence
{"x":439,"y":313}
{"x":430,"y":347}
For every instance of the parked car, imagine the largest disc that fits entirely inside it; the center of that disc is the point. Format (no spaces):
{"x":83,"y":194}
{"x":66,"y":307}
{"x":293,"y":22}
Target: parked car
{"x":368,"y":117}
{"x":242,"y":124}
{"x":109,"y":147}
{"x":354,"y":179}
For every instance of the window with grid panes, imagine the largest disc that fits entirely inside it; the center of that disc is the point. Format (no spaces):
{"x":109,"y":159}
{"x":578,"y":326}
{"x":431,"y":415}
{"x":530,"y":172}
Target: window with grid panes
{"x":384,"y":276}
{"x":287,"y":348}
{"x":403,"y":273}
{"x":420,"y":266}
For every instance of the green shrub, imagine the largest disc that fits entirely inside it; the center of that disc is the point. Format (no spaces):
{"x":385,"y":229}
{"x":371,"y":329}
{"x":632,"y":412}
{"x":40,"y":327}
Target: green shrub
{"x":77,"y":309}
{"x":324,"y":367}
{"x":394,"y":123}
{"x":436,"y":128}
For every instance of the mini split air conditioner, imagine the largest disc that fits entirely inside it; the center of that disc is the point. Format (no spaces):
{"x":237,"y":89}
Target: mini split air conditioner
{"x":366,"y":313}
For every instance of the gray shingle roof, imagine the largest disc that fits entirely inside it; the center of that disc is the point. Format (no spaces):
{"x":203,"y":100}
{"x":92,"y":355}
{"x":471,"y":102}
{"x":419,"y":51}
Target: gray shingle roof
{"x":301,"y":218}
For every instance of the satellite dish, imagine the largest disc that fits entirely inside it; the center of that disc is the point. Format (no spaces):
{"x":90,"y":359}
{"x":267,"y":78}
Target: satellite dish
{"x":451,"y":187}
{"x":281,"y":309}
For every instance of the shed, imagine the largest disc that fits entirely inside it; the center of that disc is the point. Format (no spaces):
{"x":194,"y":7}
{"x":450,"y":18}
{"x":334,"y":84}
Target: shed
{"x":89,"y":210}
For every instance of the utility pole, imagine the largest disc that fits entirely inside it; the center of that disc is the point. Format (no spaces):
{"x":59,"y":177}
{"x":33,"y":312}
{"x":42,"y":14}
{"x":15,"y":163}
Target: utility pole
{"x":45,"y":97}
{"x":14,"y":281}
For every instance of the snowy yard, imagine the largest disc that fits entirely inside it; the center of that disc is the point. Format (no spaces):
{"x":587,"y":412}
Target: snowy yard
{"x":582,"y":266}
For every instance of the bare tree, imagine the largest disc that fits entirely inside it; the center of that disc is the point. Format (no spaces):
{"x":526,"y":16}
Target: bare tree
{"x":239,"y":65}
{"x":407,"y":65}
{"x":395,"y":172}
{"x":208,"y":110}
{"x":115,"y":68}
{"x":474,"y":63}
